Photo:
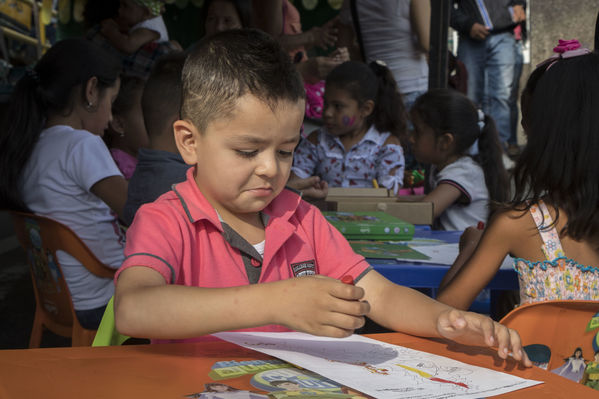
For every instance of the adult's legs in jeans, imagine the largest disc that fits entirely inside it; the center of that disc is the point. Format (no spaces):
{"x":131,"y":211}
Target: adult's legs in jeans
{"x":501,"y":57}
{"x":514,"y":91}
{"x":473,"y":54}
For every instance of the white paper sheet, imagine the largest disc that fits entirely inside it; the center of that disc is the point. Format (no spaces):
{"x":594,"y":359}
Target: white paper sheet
{"x":445,"y":254}
{"x":379,"y":369}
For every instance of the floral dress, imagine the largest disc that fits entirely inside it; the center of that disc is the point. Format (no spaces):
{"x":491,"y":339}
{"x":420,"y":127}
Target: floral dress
{"x":367,"y":160}
{"x":558,"y":277}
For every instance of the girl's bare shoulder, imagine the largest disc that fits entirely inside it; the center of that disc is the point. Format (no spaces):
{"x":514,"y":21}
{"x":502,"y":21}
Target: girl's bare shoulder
{"x":512,"y":221}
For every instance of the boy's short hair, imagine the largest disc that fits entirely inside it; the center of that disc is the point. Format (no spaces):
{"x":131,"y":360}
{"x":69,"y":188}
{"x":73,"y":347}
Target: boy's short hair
{"x":230,"y":64}
{"x":161,"y":99}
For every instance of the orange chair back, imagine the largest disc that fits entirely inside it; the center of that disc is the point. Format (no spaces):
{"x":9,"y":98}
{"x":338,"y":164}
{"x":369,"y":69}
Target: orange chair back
{"x":562,"y":326}
{"x":41,"y":238}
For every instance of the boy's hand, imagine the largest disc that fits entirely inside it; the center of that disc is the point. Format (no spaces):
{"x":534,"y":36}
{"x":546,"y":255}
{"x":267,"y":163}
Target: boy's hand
{"x":319,"y":305}
{"x":475,"y":329}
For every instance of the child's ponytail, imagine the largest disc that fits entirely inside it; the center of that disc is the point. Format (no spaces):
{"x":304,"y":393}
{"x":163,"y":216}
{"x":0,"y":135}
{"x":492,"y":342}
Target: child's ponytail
{"x":23,"y":124}
{"x":490,"y":159}
{"x":389,"y":113}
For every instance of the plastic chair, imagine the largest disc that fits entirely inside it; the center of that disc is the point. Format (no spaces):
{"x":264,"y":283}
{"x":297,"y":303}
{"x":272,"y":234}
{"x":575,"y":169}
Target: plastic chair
{"x":562,"y":326}
{"x":107,"y":334}
{"x":41,"y":237}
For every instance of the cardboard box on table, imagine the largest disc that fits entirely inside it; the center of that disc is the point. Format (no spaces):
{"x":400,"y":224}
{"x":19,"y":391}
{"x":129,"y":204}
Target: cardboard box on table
{"x":379,"y":199}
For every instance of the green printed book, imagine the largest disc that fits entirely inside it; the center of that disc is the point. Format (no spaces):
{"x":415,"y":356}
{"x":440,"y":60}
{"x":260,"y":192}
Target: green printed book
{"x":385,"y":250}
{"x":370,"y":226}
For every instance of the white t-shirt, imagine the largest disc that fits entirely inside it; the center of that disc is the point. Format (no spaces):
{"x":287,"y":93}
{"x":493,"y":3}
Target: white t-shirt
{"x":56,"y":183}
{"x":387,"y":35}
{"x":467,"y":176}
{"x":155,"y":24}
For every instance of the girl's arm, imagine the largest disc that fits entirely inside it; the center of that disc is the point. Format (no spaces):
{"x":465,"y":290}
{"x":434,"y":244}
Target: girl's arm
{"x":113,"y":191}
{"x":390,"y":165}
{"x":406,"y":310}
{"x":127,"y":43}
{"x":268,"y":16}
{"x":495,"y":244}
{"x":468,"y":242}
{"x":420,"y":18}
{"x":442,"y":197}
{"x":319,"y":36}
{"x":305,"y":157}
{"x":311,"y":187}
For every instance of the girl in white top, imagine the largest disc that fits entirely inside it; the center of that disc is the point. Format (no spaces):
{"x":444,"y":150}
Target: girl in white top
{"x":446,"y":126}
{"x":54,"y":163}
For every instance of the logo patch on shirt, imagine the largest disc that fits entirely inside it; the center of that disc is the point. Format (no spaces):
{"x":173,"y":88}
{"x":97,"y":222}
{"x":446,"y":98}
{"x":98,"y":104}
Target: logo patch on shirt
{"x":305,"y":268}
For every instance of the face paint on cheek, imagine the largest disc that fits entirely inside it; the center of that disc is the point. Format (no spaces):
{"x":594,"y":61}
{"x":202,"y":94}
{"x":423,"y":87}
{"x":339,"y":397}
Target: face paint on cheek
{"x":347,"y":121}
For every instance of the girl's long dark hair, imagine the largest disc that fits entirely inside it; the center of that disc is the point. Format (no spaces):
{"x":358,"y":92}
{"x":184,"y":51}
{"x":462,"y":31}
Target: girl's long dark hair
{"x":47,"y":89}
{"x":373,"y":82}
{"x":449,"y":111}
{"x":560,"y":163}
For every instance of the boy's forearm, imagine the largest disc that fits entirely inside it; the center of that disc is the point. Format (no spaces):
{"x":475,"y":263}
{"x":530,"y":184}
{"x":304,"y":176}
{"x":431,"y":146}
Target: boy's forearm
{"x":401,"y":308}
{"x":416,"y":314}
{"x":130,"y":43}
{"x":177,"y":312}
{"x":121,"y":42}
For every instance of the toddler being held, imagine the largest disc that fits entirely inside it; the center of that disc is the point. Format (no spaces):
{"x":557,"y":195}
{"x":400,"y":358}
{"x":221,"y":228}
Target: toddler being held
{"x":144,"y":24}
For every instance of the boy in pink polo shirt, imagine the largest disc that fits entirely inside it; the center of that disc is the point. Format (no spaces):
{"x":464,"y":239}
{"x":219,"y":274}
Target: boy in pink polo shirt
{"x":230,"y":248}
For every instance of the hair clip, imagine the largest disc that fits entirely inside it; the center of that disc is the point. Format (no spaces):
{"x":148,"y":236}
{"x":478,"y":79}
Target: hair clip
{"x":381,"y":62}
{"x":481,"y":119}
{"x":565,"y":49}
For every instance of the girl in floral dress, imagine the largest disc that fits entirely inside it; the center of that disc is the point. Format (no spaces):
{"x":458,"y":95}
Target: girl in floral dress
{"x":551,"y":226}
{"x":363,"y":120}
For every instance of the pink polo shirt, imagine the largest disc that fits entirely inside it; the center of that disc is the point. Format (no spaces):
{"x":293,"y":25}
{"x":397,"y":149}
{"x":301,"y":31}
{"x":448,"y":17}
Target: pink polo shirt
{"x":180,"y":236}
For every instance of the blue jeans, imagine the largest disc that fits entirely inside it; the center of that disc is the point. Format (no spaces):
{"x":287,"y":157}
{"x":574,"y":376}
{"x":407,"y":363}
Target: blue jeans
{"x":514,"y":91}
{"x":490,"y":65}
{"x":90,"y":318}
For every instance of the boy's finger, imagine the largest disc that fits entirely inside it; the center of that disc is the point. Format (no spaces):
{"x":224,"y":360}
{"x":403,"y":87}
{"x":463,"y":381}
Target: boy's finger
{"x":503,"y":340}
{"x":333,"y":332}
{"x":487,"y":327}
{"x":517,"y":351}
{"x":347,"y":292}
{"x":456,"y":319}
{"x":346,"y":322}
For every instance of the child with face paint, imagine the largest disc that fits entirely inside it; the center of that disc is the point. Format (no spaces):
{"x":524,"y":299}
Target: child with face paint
{"x":364,"y":118}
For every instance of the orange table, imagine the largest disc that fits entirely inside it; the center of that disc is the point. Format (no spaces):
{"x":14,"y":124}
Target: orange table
{"x":176,"y":370}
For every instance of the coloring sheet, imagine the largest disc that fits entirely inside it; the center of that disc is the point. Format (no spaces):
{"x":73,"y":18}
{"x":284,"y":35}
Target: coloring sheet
{"x":445,"y":254}
{"x":379,"y":369}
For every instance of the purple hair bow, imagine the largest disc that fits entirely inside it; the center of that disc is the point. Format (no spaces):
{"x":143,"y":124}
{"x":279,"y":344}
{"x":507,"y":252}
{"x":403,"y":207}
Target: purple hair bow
{"x":565,"y":49}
